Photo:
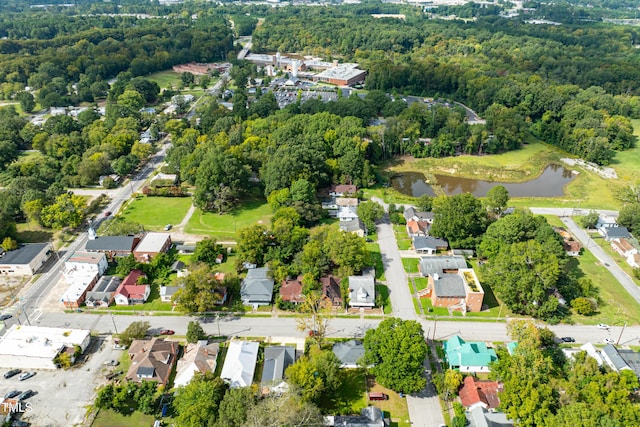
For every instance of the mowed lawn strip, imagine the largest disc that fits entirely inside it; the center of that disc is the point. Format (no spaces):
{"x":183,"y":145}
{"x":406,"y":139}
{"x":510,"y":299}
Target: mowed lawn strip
{"x":110,"y":418}
{"x":224,"y":227}
{"x":156,"y":212}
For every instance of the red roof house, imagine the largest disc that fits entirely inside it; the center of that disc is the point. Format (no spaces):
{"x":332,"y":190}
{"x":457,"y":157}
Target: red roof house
{"x":474,"y":393}
{"x":291,"y":290}
{"x":130,"y":292}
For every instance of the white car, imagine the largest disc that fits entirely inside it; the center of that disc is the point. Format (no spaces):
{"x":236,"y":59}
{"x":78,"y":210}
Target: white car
{"x":609,"y":341}
{"x":603,"y":326}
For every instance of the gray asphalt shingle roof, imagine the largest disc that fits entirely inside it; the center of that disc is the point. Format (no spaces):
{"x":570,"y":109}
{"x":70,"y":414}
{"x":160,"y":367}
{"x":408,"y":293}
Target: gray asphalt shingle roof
{"x":276,"y":360}
{"x":349,"y":352}
{"x":24,"y":254}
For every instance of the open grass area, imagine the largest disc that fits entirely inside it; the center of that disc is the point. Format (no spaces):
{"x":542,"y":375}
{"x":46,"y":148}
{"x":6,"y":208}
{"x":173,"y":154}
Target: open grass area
{"x":375,"y":258}
{"x":404,"y":242}
{"x":224,"y":227}
{"x":165,"y":78}
{"x":410,"y":264}
{"x":156,"y":212}
{"x":627,"y":163}
{"x":110,"y":418}
{"x":32,"y":232}
{"x":421,"y":282}
{"x":617,"y":258}
{"x":395,"y":407}
{"x":154,"y":303}
{"x":351,"y":397}
{"x":383,"y":291}
{"x":617,"y":306}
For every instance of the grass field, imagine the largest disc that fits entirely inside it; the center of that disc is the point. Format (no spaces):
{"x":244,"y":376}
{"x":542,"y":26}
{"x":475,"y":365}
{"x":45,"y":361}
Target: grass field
{"x":383,"y":291}
{"x":110,"y":418}
{"x":376,"y":260}
{"x":627,"y":163}
{"x":156,"y":212}
{"x":617,"y":306}
{"x":224,"y":227}
{"x":165,"y":78}
{"x":410,"y":264}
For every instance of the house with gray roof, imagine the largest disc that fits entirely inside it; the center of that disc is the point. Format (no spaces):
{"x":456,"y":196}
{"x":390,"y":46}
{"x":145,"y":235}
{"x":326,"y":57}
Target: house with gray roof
{"x":412,"y":214}
{"x":257,"y":287}
{"x":481,"y":417}
{"x":276,"y":360}
{"x":632,"y":359}
{"x":362,"y":291}
{"x":26,"y":260}
{"x":451,"y":283}
{"x":429,"y":266}
{"x":167,"y":292}
{"x":428,"y":245}
{"x":349,"y":353}
{"x":103,"y":293}
{"x":354,"y":226}
{"x":614,"y":232}
{"x":612,"y":358}
{"x":113,"y":245}
{"x":370,"y":416}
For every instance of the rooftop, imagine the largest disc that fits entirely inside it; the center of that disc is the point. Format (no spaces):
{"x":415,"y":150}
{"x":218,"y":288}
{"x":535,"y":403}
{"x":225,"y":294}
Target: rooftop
{"x":276,"y":360}
{"x":343,"y":71}
{"x":86,"y":257}
{"x":349,"y":352}
{"x":39,"y":341}
{"x":112,"y":243}
{"x":24,"y":254}
{"x":153,"y":242}
{"x":440,"y":264}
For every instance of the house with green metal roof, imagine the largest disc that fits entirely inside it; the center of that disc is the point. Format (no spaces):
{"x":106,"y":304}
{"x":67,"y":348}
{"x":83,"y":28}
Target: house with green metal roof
{"x":472,"y":356}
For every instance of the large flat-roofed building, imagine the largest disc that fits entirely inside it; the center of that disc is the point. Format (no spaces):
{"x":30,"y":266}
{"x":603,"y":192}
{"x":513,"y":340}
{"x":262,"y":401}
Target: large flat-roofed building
{"x":25,"y":260}
{"x":342,"y":75}
{"x":36,"y":347}
{"x":151,"y":245}
{"x":113,"y":246}
{"x":85,"y":263}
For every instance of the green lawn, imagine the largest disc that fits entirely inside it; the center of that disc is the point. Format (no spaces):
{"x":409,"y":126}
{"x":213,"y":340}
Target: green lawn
{"x":376,"y":259}
{"x":383,"y":291}
{"x":617,"y":307}
{"x":156,"y":212}
{"x":622,"y":263}
{"x":351,"y":397}
{"x":224,"y":227}
{"x":395,"y":408}
{"x":154,"y":303}
{"x":421,"y":282}
{"x":410,"y":264}
{"x":165,"y":78}
{"x":110,"y":418}
{"x":627,"y":163}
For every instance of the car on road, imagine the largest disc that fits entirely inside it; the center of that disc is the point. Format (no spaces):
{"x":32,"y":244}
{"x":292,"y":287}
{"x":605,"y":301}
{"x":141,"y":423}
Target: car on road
{"x":25,"y":395}
{"x":167,"y":227}
{"x":603,"y":326}
{"x":26,"y":375}
{"x":107,"y":213}
{"x":112,"y":375}
{"x":12,"y":373}
{"x":609,"y":341}
{"x":119,"y":347}
{"x":167,"y":332}
{"x":568,"y":339}
{"x":12,"y":394}
{"x":5,"y":317}
{"x":111,"y":363}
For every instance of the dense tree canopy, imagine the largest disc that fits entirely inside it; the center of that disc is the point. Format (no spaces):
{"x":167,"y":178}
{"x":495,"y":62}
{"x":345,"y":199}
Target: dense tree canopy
{"x":397,"y":350}
{"x":461,"y":219}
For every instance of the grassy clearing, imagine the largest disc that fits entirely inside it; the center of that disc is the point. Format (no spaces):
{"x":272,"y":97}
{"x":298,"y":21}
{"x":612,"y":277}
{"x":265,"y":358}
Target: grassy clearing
{"x":32,"y":232}
{"x":156,"y":212}
{"x":396,"y":407}
{"x":110,"y":418}
{"x":627,"y":163}
{"x":410,"y":264}
{"x":351,"y":397}
{"x":376,"y":260}
{"x":617,"y":306}
{"x":225,"y":227}
{"x":165,"y":78}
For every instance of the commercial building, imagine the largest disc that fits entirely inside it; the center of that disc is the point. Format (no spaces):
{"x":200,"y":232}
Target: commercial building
{"x":36,"y":347}
{"x":151,"y":245}
{"x":342,"y":75}
{"x":25,"y":260}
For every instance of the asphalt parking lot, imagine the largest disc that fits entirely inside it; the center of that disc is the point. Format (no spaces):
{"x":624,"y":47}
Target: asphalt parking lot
{"x":62,"y":396}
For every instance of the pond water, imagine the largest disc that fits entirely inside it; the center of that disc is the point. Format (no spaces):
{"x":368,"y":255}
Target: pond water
{"x":549,"y":184}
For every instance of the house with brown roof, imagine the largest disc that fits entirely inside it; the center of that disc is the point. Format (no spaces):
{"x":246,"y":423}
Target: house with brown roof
{"x":291,"y":290}
{"x":342,"y":189}
{"x":623,"y":247}
{"x":130,"y":292}
{"x":152,"y":360}
{"x":634,"y":260}
{"x":572,"y":247}
{"x":451,"y":283}
{"x":331,"y":290}
{"x":475,"y":392}
{"x":198,"y":357}
{"x":417,"y":228}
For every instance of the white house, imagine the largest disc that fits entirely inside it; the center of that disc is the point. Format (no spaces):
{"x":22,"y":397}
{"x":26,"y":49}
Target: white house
{"x":362,"y":291}
{"x":240,"y":363}
{"x":347,"y":213}
{"x":85,"y":263}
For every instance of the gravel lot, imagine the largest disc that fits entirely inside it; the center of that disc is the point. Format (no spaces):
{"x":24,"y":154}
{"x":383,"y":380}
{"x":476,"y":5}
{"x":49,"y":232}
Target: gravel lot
{"x":62,"y":396}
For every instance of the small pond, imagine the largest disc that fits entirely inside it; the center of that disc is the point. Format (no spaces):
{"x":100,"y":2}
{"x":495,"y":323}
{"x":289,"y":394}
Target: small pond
{"x":549,"y":184}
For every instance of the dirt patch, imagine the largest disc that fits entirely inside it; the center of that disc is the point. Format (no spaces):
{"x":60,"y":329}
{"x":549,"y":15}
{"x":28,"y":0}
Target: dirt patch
{"x":9,"y":288}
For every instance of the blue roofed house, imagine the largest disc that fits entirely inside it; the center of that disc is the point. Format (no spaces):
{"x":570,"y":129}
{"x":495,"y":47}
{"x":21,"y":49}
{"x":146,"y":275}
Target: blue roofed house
{"x":428,"y":245}
{"x":257,"y":287}
{"x":276,"y":361}
{"x":473,"y":356}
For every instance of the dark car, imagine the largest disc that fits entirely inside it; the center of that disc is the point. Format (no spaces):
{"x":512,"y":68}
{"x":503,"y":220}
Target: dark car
{"x":12,"y":373}
{"x":167,"y":332}
{"x":12,"y":393}
{"x":107,"y":213}
{"x":25,"y":395}
{"x":568,"y":339}
{"x":5,"y":317}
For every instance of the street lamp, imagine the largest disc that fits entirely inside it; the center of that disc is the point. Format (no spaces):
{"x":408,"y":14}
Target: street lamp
{"x":218,"y":322}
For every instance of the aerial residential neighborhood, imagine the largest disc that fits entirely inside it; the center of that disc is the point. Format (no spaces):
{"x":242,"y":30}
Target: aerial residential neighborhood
{"x":319,"y":213}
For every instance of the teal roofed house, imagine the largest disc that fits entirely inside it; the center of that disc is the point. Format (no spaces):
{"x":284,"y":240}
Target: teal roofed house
{"x":473,"y":356}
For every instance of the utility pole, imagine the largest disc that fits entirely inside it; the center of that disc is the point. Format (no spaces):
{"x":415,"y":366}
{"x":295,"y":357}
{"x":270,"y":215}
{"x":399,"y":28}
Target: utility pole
{"x":620,"y":336}
{"x":114,"y":322}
